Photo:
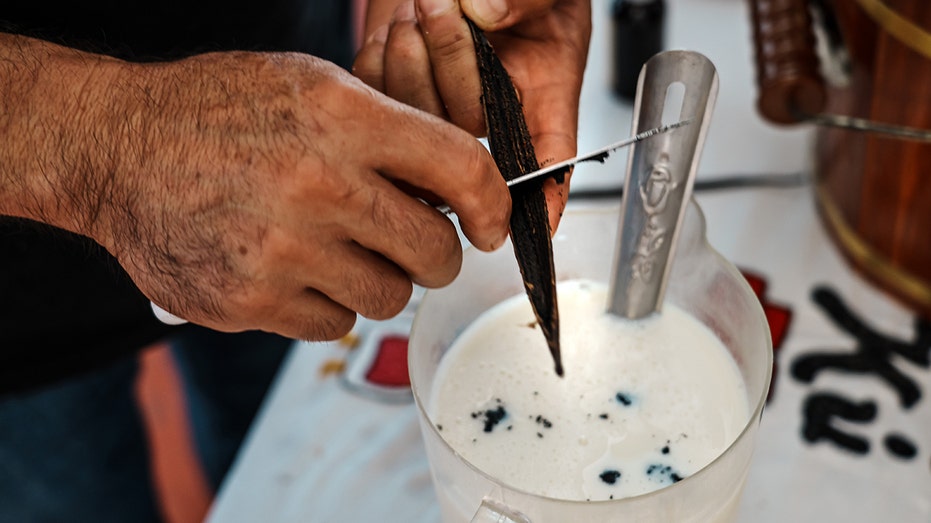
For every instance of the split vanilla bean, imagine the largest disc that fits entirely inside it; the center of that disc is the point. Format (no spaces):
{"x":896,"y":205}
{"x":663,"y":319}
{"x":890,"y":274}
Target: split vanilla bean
{"x":512,"y":149}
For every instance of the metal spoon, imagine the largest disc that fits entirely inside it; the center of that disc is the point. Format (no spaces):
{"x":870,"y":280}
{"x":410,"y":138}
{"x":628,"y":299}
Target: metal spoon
{"x":660,"y":176}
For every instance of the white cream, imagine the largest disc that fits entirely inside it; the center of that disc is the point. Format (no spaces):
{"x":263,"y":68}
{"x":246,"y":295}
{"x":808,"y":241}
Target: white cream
{"x":642,"y":403}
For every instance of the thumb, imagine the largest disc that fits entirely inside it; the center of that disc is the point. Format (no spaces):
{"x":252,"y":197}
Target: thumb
{"x":492,"y":15}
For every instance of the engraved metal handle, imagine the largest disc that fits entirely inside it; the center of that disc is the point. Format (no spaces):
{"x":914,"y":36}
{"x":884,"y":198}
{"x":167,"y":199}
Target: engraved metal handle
{"x":673,"y":86}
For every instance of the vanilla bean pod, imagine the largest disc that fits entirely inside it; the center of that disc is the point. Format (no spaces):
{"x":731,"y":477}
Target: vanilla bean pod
{"x":511,"y":147}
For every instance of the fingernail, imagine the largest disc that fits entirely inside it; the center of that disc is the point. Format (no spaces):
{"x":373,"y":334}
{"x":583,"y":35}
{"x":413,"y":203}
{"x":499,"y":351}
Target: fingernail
{"x":380,"y":35}
{"x":405,"y":12}
{"x":490,"y":11}
{"x":434,"y":7}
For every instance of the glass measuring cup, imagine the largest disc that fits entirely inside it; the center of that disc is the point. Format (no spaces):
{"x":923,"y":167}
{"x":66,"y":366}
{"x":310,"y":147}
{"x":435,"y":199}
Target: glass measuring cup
{"x":701,"y":282}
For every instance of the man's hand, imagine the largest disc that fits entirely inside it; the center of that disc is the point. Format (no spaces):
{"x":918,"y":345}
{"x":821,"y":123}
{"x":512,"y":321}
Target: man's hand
{"x":422,"y":54}
{"x":246,"y":191}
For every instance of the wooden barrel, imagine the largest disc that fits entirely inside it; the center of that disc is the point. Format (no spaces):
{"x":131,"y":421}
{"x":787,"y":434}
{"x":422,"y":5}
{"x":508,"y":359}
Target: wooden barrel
{"x":873,"y":191}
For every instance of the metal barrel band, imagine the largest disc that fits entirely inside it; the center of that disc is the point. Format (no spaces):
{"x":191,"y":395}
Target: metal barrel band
{"x":901,"y":28}
{"x":875,"y":265}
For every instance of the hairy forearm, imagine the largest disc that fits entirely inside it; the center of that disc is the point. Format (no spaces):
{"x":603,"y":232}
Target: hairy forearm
{"x":56,"y":156}
{"x":80,"y":133}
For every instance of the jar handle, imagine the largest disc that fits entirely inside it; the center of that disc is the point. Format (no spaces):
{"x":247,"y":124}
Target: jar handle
{"x":492,"y":511}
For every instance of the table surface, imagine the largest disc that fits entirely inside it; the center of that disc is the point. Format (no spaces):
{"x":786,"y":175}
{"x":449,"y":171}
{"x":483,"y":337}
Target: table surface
{"x":835,"y":442}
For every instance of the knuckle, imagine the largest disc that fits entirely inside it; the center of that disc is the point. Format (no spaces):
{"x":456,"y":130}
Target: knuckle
{"x":388,"y":297}
{"x":331,"y":325}
{"x":405,"y":43}
{"x":430,"y":248}
{"x":494,"y":219}
{"x":450,"y":45}
{"x":320,"y":186}
{"x":479,"y":180}
{"x":250,"y":306}
{"x":478,"y":172}
{"x":442,"y":265}
{"x":439,"y":245}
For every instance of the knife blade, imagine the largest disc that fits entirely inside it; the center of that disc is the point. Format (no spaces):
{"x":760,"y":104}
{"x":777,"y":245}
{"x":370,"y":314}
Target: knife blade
{"x":596,"y":155}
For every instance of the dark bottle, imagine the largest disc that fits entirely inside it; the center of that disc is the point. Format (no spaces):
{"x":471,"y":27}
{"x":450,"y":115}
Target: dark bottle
{"x":637,"y":34}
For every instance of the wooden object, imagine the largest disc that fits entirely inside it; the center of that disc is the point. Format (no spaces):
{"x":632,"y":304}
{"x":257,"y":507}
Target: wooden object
{"x":873,"y":191}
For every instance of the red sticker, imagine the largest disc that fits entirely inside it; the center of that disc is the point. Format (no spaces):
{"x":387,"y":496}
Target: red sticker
{"x":390,"y":366}
{"x":778,"y":316}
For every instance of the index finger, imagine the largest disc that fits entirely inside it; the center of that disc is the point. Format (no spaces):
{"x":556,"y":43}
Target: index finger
{"x":432,"y":154}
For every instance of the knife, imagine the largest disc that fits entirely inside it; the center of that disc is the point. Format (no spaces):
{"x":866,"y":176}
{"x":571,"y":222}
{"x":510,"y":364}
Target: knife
{"x":598,"y":155}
